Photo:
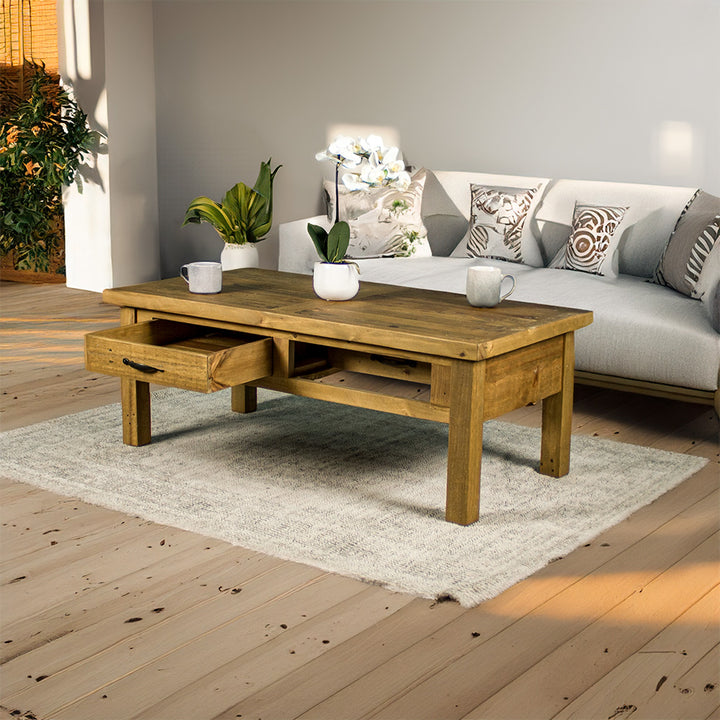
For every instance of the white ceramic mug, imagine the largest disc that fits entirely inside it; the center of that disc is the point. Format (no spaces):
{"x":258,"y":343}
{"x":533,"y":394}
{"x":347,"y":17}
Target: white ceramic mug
{"x":203,"y":277}
{"x":483,"y":285}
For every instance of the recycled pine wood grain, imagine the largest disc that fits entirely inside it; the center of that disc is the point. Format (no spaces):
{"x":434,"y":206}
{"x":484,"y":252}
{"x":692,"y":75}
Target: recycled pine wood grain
{"x":656,"y":678}
{"x":625,"y":630}
{"x":299,"y":641}
{"x":77,"y":642}
{"x":436,"y":678}
{"x":174,"y":586}
{"x":220,"y":625}
{"x":309,"y":684}
{"x":383,"y":315}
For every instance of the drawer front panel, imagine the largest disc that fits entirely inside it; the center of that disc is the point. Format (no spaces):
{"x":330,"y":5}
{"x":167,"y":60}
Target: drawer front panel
{"x":178,"y":355}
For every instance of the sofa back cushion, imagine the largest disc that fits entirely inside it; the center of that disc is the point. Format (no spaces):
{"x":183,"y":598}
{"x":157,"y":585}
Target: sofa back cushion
{"x":649,"y":221}
{"x":444,"y":220}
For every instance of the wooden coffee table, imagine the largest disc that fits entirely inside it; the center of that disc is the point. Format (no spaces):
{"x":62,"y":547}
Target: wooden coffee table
{"x":411,"y":352}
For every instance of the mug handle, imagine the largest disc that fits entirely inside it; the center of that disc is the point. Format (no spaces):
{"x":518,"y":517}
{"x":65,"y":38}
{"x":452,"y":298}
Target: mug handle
{"x":509,"y":292}
{"x":184,"y":274}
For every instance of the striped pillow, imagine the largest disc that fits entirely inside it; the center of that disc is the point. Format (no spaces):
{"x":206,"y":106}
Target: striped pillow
{"x":690,"y":244}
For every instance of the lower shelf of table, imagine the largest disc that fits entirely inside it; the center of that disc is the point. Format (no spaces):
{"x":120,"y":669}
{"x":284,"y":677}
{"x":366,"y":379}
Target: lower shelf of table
{"x":400,"y":397}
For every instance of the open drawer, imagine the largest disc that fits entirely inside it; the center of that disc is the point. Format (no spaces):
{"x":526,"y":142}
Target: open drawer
{"x":181,"y":355}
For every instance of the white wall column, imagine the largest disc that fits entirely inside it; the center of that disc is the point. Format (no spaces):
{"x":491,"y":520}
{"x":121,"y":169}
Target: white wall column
{"x":107,"y":56}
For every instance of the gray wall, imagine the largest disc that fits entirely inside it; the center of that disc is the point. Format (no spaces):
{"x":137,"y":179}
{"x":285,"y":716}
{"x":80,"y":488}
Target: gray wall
{"x":596,"y":89}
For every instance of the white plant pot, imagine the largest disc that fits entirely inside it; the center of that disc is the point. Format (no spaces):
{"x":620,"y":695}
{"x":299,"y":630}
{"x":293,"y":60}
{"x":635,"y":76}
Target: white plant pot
{"x":236,"y":256}
{"x":335,"y":281}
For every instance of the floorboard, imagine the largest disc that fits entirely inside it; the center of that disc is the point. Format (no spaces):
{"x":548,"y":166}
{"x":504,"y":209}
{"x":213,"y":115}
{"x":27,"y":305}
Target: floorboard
{"x":109,"y":617}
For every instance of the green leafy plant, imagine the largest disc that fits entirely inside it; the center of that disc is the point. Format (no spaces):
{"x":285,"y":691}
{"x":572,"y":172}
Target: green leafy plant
{"x":244,"y":215}
{"x":331,"y":246}
{"x":44,"y":141}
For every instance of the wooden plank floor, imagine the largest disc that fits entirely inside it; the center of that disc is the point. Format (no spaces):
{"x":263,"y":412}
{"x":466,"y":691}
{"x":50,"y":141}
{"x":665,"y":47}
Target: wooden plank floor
{"x":109,"y":617}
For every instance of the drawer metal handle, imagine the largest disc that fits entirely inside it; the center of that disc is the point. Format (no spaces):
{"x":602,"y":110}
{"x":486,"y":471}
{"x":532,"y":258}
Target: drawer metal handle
{"x":139,"y":366}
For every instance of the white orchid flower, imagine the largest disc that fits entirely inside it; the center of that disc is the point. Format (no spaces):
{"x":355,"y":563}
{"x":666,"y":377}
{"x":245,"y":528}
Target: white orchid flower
{"x":390,"y":155}
{"x":373,"y":143}
{"x":352,"y":182}
{"x":341,"y":151}
{"x":342,"y":145}
{"x":373,"y":174}
{"x":358,"y":147}
{"x":344,"y":148}
{"x":402,"y":181}
{"x":351,"y":162}
{"x":370,"y":162}
{"x":394,"y":167}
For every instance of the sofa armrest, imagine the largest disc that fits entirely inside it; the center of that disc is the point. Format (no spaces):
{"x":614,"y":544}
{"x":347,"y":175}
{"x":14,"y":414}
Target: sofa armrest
{"x":296,"y":251}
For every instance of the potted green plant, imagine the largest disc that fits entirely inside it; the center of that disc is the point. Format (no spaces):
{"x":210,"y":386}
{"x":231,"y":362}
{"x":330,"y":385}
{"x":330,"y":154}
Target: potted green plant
{"x":334,"y":277}
{"x":44,"y":141}
{"x":242,"y":219}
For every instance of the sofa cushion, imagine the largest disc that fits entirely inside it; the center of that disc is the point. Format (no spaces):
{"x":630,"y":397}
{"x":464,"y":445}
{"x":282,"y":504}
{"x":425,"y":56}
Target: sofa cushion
{"x":593,"y":241}
{"x":711,"y":302}
{"x":690,"y":245}
{"x":709,"y":275}
{"x":652,"y":213}
{"x":639,"y":330}
{"x":497,"y":220}
{"x":386,"y":220}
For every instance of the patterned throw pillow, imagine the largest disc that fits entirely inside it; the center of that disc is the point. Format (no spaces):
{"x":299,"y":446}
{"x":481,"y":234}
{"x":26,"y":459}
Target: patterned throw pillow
{"x":497,"y":218}
{"x":593,"y":240}
{"x":690,"y":245}
{"x":353,"y":203}
{"x":393,"y":223}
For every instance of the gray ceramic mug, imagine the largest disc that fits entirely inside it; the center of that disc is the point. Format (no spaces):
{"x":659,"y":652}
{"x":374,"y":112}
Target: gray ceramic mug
{"x":483,"y":285}
{"x":204,"y":278}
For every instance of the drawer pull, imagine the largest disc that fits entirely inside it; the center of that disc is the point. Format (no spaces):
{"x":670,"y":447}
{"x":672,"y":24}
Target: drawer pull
{"x":139,"y":366}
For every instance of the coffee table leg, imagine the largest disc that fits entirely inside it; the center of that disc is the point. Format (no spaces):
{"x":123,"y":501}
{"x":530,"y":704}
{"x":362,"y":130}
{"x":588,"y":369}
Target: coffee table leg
{"x":557,"y":418}
{"x":467,"y":388}
{"x":244,"y":398}
{"x":135,"y":396}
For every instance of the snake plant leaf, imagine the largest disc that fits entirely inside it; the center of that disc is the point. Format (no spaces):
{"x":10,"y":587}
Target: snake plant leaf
{"x":244,"y":215}
{"x":263,"y":187}
{"x":203,"y":209}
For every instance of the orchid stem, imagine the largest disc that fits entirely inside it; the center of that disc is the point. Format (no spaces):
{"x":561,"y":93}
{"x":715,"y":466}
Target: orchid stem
{"x":337,"y":194}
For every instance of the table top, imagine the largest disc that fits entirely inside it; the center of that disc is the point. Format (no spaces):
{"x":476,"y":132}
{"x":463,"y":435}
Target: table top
{"x":387,"y":316}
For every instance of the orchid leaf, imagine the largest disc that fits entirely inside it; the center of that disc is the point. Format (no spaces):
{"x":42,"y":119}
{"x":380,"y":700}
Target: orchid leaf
{"x":338,"y":241}
{"x":319,"y":236}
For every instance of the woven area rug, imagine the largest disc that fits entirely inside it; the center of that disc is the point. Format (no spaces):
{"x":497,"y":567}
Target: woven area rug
{"x":351,"y":491}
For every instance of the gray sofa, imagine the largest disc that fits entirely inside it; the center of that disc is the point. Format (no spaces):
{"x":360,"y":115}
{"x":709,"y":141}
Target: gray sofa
{"x":645,"y":337}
